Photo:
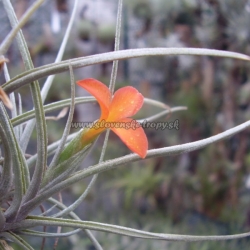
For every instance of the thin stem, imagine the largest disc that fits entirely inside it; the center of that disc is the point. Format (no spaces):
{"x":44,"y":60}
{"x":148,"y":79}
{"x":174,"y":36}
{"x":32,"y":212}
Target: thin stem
{"x":117,"y":45}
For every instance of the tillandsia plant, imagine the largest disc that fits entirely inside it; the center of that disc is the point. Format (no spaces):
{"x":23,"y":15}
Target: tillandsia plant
{"x":28,"y":183}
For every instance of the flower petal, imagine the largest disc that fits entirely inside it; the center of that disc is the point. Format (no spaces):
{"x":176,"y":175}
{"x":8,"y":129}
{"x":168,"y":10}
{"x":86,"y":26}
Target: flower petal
{"x":133,"y":135}
{"x":126,"y":102}
{"x":100,"y":91}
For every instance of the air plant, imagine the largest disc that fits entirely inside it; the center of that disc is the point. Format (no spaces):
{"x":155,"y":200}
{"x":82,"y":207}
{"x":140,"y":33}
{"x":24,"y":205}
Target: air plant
{"x":27,"y":183}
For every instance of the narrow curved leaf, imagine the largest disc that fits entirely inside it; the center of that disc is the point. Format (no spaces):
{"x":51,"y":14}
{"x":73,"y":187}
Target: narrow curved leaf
{"x":54,"y":68}
{"x":49,"y":108}
{"x":18,"y":160}
{"x":33,"y":221}
{"x":68,"y":124}
{"x":40,"y":117}
{"x":112,"y":164}
{"x":18,"y":240}
{"x":6,"y":175}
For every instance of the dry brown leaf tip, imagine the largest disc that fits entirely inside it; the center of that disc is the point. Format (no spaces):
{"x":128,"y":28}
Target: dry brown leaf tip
{"x":5,"y":99}
{"x":2,"y":61}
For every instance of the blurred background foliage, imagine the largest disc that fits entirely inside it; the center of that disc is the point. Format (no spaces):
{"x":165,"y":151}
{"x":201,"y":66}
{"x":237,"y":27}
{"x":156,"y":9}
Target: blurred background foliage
{"x":203,"y":192}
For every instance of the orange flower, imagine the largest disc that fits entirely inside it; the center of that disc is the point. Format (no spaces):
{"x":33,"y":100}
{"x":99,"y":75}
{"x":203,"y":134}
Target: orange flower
{"x":115,"y":111}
